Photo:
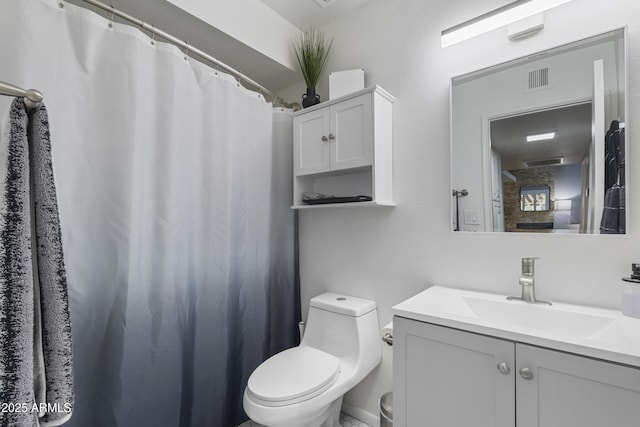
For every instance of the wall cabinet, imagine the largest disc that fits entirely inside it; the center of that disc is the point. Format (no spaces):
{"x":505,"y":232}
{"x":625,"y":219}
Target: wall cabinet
{"x":450,"y":378}
{"x":342,"y":148}
{"x":335,"y":137}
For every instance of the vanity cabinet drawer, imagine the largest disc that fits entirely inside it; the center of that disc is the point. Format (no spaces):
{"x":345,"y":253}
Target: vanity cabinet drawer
{"x":568,"y":390}
{"x":450,"y":378}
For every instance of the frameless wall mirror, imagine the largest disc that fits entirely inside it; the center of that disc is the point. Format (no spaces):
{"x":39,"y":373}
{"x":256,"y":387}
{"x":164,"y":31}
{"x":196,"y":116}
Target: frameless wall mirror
{"x":554,"y":120}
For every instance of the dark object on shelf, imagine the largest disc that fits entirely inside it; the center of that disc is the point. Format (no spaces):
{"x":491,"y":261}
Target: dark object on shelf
{"x":310,"y":98}
{"x":535,"y":225}
{"x":330,"y":199}
{"x":314,"y":196}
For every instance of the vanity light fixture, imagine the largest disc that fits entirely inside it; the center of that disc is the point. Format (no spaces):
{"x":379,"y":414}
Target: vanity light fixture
{"x":541,"y":137}
{"x":497,"y":18}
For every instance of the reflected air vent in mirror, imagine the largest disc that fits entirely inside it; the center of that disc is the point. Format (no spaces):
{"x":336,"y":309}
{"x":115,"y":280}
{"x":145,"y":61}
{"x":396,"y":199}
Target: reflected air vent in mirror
{"x":538,"y":78}
{"x":545,"y":162}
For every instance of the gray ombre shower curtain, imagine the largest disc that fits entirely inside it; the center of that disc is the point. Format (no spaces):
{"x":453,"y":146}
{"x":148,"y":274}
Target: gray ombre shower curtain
{"x":176,"y":225}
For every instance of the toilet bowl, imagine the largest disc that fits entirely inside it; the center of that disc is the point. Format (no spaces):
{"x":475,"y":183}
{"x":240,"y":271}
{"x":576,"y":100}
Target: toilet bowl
{"x":304,"y":386}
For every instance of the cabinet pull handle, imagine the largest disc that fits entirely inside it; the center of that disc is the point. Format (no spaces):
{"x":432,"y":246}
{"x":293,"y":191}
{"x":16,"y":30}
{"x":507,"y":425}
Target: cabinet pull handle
{"x":526,"y":373}
{"x":324,"y":138}
{"x":504,"y":368}
{"x":332,"y":136}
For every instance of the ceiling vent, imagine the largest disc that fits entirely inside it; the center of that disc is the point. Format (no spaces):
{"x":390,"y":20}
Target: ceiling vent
{"x":545,"y":162}
{"x":538,"y":79}
{"x":325,"y":3}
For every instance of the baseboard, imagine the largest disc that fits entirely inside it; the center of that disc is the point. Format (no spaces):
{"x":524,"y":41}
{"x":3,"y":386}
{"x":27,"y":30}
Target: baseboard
{"x":361,"y":414}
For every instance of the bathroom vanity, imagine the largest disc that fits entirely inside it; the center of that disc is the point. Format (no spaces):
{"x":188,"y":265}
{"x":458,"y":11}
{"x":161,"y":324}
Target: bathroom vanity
{"x":464,"y":358}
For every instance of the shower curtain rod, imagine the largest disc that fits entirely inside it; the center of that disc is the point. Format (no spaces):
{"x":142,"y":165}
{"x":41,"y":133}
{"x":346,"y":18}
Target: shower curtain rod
{"x":32,"y":97}
{"x":182,"y":44}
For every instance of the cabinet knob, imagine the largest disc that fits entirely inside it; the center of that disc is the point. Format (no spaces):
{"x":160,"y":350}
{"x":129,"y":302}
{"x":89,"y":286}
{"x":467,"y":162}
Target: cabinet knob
{"x":324,"y":138}
{"x":332,"y":136}
{"x":526,"y":373}
{"x":504,"y":368}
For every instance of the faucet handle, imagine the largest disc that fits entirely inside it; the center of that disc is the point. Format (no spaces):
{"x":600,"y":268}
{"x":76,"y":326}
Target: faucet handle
{"x":527,"y":265}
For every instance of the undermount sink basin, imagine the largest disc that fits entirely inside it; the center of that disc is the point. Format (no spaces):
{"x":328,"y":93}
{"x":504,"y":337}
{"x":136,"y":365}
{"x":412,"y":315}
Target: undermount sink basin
{"x":556,"y":319}
{"x":590,"y":331}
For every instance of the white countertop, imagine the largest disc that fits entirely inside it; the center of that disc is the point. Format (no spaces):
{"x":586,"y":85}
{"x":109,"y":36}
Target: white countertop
{"x":588,"y":331}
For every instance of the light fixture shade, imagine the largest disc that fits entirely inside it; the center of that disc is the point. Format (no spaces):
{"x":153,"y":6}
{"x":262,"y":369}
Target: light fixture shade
{"x":497,"y":18}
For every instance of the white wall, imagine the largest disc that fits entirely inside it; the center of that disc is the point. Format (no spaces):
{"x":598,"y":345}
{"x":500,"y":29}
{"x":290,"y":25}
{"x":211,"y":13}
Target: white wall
{"x":389,"y":254}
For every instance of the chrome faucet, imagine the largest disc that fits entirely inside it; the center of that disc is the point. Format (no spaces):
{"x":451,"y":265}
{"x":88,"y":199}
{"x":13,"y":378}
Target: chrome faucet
{"x":527,"y":281}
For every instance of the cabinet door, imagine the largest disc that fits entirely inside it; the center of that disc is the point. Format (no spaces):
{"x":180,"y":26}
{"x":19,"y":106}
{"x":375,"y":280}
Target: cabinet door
{"x":498,"y":216}
{"x":572,"y":391}
{"x":311,"y":145}
{"x":448,"y":378}
{"x":352,"y":133}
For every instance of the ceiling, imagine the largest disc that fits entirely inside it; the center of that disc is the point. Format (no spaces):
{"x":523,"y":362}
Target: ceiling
{"x":572,"y":125}
{"x":308,"y":13}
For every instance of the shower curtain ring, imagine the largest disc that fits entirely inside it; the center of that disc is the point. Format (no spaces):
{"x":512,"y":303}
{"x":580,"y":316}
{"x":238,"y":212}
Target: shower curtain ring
{"x":111,"y":17}
{"x":153,"y":35}
{"x":61,"y":4}
{"x":186,"y":50}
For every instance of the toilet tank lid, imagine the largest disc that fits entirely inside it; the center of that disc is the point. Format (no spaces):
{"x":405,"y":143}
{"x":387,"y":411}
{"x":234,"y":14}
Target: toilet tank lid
{"x":343,"y":304}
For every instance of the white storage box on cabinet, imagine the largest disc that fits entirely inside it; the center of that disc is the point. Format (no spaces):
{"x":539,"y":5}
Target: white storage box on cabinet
{"x":343,"y":148}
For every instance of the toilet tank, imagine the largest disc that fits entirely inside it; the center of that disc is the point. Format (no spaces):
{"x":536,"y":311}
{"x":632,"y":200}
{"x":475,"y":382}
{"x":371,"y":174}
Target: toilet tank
{"x":344,"y":326}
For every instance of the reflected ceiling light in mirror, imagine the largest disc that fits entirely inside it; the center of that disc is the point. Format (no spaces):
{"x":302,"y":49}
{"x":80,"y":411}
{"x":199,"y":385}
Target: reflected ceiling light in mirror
{"x":544,"y":162}
{"x":541,"y":137}
{"x":497,"y":18}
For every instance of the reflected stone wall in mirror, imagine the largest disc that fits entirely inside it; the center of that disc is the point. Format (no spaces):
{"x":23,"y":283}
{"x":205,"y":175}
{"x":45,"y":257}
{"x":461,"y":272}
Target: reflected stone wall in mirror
{"x":553,"y":119}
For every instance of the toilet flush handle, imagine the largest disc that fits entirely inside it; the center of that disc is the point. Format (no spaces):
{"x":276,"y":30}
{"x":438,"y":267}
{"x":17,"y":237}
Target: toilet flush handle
{"x":388,"y":338}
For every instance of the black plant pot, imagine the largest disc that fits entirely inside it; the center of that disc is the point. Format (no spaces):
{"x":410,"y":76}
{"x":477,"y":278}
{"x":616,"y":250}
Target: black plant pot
{"x":310,"y":98}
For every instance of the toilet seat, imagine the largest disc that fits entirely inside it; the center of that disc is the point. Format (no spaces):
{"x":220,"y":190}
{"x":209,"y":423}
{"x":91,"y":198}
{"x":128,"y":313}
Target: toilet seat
{"x":293,"y":376}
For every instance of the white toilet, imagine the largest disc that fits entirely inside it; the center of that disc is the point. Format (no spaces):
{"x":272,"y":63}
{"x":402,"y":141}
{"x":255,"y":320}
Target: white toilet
{"x":304,"y":386}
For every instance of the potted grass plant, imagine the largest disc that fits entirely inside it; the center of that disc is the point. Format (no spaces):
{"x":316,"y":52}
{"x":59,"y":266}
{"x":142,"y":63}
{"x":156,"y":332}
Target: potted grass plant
{"x":312,"y":51}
